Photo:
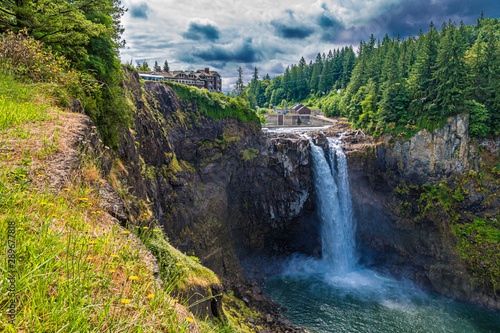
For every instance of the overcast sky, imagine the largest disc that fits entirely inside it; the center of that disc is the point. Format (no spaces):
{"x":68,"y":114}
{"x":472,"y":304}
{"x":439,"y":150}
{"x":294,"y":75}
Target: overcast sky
{"x":272,"y":34}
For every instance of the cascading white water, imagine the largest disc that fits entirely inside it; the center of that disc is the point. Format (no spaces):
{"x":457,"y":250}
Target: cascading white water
{"x":345,"y":225}
{"x":334,"y":207}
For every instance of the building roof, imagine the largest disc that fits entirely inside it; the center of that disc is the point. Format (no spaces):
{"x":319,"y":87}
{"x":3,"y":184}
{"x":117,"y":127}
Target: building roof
{"x":151,"y":75}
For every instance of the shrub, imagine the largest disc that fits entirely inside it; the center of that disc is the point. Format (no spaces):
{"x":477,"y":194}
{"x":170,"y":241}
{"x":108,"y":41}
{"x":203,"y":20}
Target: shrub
{"x":479,"y":119}
{"x":31,"y":61}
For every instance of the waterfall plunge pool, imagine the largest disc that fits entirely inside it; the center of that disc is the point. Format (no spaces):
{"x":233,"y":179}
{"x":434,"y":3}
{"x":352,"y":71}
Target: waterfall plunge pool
{"x":333,"y":294}
{"x":362,"y":301}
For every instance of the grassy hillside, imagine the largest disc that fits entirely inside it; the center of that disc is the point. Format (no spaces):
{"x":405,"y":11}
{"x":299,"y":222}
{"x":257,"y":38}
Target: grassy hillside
{"x":68,"y":263}
{"x":75,"y":269}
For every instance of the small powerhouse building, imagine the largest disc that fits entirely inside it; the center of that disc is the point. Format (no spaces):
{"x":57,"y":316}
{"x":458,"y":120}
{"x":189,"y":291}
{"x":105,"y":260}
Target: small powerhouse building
{"x":300,"y":109}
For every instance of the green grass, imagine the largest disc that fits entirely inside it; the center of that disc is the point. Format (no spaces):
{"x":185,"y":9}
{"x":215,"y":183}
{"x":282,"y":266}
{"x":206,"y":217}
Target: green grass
{"x":74,"y":267}
{"x":76,"y":270}
{"x":175,"y":267}
{"x":16,"y":103}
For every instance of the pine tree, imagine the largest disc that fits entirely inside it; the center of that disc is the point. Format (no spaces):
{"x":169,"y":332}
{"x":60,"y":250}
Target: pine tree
{"x":144,"y":67}
{"x":255,"y":77}
{"x":450,"y":74}
{"x":395,"y":101}
{"x":317,"y":69}
{"x":302,"y":81}
{"x":239,"y":82}
{"x":302,"y":63}
{"x":423,"y":80}
{"x":492,"y":55}
{"x":157,"y":67}
{"x":166,"y":68}
{"x":323,"y":82}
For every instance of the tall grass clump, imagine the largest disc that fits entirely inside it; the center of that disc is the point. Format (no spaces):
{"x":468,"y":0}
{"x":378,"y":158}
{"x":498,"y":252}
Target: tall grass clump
{"x":16,"y":103}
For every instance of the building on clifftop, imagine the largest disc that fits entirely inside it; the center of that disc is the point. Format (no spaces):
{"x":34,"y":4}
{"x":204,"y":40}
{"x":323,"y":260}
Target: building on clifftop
{"x":210,"y":80}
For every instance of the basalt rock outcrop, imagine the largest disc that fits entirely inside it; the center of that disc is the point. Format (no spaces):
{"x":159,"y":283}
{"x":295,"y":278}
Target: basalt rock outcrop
{"x":223,"y":190}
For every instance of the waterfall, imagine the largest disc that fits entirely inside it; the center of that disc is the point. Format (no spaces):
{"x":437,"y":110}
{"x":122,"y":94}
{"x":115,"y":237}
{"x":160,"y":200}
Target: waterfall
{"x":334,"y":207}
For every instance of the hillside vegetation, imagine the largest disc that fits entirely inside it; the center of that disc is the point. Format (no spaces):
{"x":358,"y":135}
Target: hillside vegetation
{"x":400,"y":85}
{"x":69,"y":264}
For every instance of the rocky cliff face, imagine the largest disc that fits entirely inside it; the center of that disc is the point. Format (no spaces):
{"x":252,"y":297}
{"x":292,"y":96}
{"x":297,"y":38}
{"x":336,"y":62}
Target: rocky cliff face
{"x":418,"y":204}
{"x":437,"y":154}
{"x":223,"y":190}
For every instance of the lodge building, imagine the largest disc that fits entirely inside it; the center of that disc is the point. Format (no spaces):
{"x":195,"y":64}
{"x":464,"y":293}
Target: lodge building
{"x":206,"y":78}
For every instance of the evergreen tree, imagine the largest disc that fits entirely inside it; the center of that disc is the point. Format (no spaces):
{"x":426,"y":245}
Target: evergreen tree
{"x":166,"y":68}
{"x":395,"y":101}
{"x":255,"y":77}
{"x":450,"y":74}
{"x":317,"y":69}
{"x":423,"y":80}
{"x":157,"y":67}
{"x":144,"y":67}
{"x":323,"y":81}
{"x":239,"y":82}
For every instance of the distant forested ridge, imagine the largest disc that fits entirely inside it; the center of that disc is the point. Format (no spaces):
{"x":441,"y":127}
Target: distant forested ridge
{"x":301,"y":80}
{"x":401,"y":85}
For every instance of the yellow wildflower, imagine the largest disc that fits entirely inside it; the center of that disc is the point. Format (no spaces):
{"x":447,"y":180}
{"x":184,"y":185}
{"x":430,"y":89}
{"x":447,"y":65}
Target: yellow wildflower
{"x":125,"y":301}
{"x":151,"y":296}
{"x":133,"y":277}
{"x":189,"y":319}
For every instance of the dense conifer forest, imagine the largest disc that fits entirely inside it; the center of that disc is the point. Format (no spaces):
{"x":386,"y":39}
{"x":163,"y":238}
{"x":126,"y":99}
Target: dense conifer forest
{"x":400,"y":85}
